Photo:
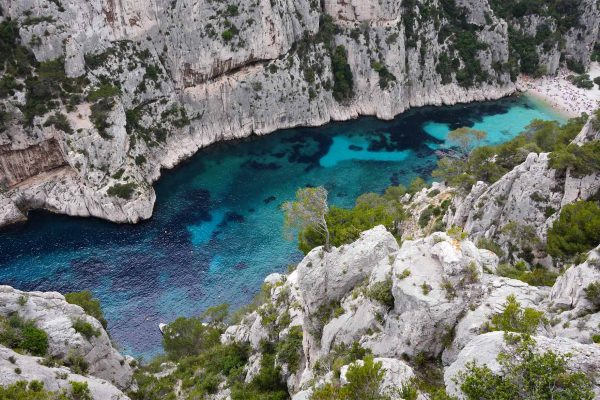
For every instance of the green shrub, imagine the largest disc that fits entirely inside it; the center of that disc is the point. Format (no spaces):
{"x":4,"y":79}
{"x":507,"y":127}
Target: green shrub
{"x":140,"y":159}
{"x":227,"y":35}
{"x":490,"y":245}
{"x":122,"y":190}
{"x":188,"y":336}
{"x":577,"y":230}
{"x":490,"y":163}
{"x":539,"y":276}
{"x":592,"y":293}
{"x":343,"y":83}
{"x":267,"y":384}
{"x":90,"y":305}
{"x":525,"y":374}
{"x":59,"y":121}
{"x":382,"y":292}
{"x":99,"y":117}
{"x":22,"y":336}
{"x":580,"y":160}
{"x":35,"y":341}
{"x":32,"y":390}
{"x":385,"y":76}
{"x":425,"y":216}
{"x":582,"y":81}
{"x":77,"y":363}
{"x":85,"y":328}
{"x":290,"y":348}
{"x":513,"y":318}
{"x":103,"y":91}
{"x":345,"y":225}
{"x":80,"y":391}
{"x":363,"y":384}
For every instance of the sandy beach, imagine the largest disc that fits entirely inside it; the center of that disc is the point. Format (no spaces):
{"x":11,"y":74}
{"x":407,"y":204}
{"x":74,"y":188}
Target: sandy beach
{"x":561,"y":94}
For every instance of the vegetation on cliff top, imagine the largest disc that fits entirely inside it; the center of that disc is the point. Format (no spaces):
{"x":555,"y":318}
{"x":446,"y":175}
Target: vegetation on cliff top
{"x":525,"y":374}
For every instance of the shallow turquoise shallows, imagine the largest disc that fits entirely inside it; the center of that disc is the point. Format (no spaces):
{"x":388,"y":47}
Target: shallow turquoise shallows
{"x":217,"y":228}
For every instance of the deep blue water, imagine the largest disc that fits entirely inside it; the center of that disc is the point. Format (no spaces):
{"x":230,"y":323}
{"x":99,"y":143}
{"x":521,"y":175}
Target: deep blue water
{"x":217,"y":229}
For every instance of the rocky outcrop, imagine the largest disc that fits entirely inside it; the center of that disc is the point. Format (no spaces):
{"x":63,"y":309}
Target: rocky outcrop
{"x":495,"y":291}
{"x":485,"y":349}
{"x":50,"y":312}
{"x":433,"y":296}
{"x":523,"y":196}
{"x":15,"y":367}
{"x":329,"y":276}
{"x":434,"y":280}
{"x":569,"y":290}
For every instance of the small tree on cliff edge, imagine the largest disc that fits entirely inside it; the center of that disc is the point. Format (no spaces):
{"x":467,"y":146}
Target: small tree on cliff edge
{"x":466,"y":139}
{"x":307,"y":211}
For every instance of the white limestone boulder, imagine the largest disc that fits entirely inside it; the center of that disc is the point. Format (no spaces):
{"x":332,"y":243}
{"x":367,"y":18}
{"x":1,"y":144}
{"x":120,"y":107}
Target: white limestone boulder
{"x":484,"y":349}
{"x":328,"y":276}
{"x":495,"y":291}
{"x":433,"y":281}
{"x":54,"y":379}
{"x":54,"y":315}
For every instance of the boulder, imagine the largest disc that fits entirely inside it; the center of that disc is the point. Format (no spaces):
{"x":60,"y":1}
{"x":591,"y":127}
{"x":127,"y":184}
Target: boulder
{"x":54,"y":315}
{"x":328,"y":276}
{"x":484,"y":349}
{"x":55,"y":379}
{"x":495,"y":291}
{"x":434,"y":280}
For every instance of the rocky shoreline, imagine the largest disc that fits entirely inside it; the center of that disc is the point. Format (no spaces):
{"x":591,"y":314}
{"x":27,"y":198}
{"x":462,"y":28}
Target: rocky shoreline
{"x":150,"y":87}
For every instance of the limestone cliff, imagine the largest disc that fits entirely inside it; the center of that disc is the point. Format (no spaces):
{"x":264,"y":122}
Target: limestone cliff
{"x":148,"y":84}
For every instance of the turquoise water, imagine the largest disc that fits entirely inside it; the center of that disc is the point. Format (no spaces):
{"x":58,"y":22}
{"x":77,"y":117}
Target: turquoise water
{"x":216,"y":232}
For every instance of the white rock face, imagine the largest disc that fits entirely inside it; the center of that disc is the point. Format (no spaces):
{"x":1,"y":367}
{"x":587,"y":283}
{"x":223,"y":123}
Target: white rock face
{"x":441,"y":299}
{"x":54,"y":379}
{"x":528,"y":196}
{"x":328,"y":276}
{"x":569,"y":289}
{"x":522,"y":195}
{"x":51,"y":313}
{"x":484,"y":349}
{"x":443,"y":281}
{"x":495,"y":291}
{"x":252,"y":83}
{"x":359,"y":318}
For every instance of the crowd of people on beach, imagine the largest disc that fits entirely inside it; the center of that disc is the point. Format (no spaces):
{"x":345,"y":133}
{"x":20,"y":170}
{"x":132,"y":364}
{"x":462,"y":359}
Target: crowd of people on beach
{"x":560,"y":93}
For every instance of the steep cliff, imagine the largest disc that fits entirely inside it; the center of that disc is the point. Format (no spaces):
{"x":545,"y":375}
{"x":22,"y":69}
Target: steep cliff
{"x":127,"y":88}
{"x":424,"y":310}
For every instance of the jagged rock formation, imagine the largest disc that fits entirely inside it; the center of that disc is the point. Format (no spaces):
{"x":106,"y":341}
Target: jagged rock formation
{"x":485,"y":349}
{"x":439,"y":308}
{"x":177,"y":76}
{"x":55,"y":379}
{"x":522,"y":205}
{"x":50,"y":312}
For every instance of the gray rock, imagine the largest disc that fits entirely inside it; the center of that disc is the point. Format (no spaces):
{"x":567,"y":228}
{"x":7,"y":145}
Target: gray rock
{"x":50,"y":312}
{"x":484,"y":349}
{"x":54,"y":379}
{"x":495,"y":291}
{"x":443,"y":281}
